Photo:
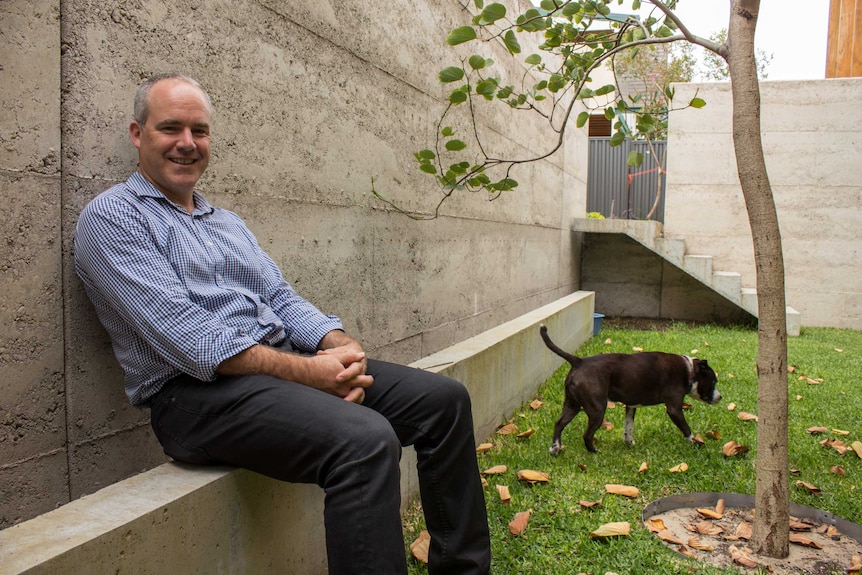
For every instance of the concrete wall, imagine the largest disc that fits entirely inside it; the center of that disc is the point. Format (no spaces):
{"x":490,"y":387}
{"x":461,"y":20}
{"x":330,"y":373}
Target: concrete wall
{"x":312,"y":100}
{"x":190,"y":519}
{"x":811,"y":139}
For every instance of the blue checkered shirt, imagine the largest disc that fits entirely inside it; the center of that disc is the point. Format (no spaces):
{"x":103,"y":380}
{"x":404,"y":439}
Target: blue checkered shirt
{"x":180,"y":293}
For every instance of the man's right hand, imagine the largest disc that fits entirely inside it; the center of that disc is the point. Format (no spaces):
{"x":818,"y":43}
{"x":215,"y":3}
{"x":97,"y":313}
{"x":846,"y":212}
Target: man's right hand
{"x":320,"y":371}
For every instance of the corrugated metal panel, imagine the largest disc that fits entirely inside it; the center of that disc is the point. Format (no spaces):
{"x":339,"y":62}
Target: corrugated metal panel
{"x":617,"y":191}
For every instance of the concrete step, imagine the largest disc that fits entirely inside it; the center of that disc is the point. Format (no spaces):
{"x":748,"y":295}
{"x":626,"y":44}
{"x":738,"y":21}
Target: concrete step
{"x":699,"y":266}
{"x":728,"y":284}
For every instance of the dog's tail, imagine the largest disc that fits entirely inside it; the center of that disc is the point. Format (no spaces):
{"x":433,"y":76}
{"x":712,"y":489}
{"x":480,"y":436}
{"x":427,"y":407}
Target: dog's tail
{"x":574,"y":360}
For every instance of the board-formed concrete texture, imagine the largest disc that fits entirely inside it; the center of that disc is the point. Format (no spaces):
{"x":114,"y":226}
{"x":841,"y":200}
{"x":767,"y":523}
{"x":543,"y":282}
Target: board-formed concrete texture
{"x":311,"y":101}
{"x":811,"y":140}
{"x":180,"y":518}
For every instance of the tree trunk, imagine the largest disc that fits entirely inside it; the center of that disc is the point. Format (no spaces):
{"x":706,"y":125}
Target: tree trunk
{"x":772,"y":497}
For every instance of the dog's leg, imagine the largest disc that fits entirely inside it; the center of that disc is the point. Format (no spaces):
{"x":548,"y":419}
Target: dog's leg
{"x":630,"y":425}
{"x":595,"y":422}
{"x":676,"y":415}
{"x":570,"y":410}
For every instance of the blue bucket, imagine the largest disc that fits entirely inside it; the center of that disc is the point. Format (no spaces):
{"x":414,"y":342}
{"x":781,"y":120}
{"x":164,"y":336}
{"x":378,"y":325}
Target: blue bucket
{"x":597,"y":323}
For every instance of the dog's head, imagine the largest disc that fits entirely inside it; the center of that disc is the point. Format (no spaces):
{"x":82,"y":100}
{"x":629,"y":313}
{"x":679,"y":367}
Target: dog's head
{"x":703,"y":382}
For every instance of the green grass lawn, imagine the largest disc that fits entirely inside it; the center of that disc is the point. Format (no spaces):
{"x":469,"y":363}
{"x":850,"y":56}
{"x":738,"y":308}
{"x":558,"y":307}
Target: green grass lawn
{"x":557,"y":538}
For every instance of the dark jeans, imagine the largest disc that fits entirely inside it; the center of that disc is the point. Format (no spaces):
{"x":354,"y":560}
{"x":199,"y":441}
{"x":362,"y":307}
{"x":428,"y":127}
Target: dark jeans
{"x":294,"y":433}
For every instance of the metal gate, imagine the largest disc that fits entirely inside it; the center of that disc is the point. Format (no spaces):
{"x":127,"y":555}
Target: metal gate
{"x":617,"y":191}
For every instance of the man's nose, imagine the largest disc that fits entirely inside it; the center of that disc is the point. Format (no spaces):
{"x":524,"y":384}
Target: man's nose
{"x":186,"y":139}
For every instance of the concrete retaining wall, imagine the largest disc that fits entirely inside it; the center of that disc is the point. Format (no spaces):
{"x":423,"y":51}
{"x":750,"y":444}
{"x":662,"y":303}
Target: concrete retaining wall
{"x":183,"y":519}
{"x":811,"y":139}
{"x":312,"y":100}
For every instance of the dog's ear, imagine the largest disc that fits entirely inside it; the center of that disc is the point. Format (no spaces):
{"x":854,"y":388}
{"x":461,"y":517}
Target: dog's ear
{"x":702,"y":365}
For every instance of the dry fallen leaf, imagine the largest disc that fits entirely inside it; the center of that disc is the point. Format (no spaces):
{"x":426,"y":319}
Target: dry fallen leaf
{"x":744,"y":530}
{"x":798,"y":525}
{"x":840,"y":432}
{"x":636,"y":348}
{"x":811,"y":488}
{"x":799,"y":539}
{"x":698,"y":439}
{"x":643,"y":468}
{"x":706,"y":528}
{"x":732,"y":448}
{"x":589,"y":504}
{"x":536,"y":404}
{"x":791,"y":368}
{"x":856,"y":446}
{"x":710,"y":513}
{"x":655,"y":525}
{"x":686,"y":552}
{"x":612,"y":405}
{"x":503,"y":492}
{"x":745,"y":416}
{"x":696,"y":543}
{"x":419,"y":547}
{"x":817,"y":429}
{"x":838,"y":470}
{"x":532,"y":476}
{"x":719,"y":506}
{"x":742,"y":558}
{"x":496,"y":470}
{"x":625,"y":490}
{"x":507,"y":429}
{"x":615,"y":529}
{"x":713,"y":433}
{"x":608,"y":341}
{"x":669,"y":537}
{"x":813,"y":381}
{"x":607,"y":425}
{"x":681,"y":468}
{"x":855,"y":565}
{"x":519,"y":523}
{"x":731,"y":406}
{"x":839,"y":446}
{"x":483,"y":447}
{"x":526,"y":434}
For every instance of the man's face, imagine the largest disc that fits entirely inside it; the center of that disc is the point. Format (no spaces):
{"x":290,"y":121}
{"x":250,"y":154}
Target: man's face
{"x":174,"y":142}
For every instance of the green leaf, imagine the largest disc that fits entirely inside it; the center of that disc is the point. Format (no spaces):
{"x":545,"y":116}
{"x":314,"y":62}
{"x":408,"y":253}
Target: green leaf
{"x":461,"y":35}
{"x":617,"y":139}
{"x":455,"y":145}
{"x":511,"y":42}
{"x":583,"y":117}
{"x":636,"y":5}
{"x":451,"y":74}
{"x":491,"y":14}
{"x":635,"y":159}
{"x":457,"y":97}
{"x":571,"y":9}
{"x":533,"y":59}
{"x":428,"y":168}
{"x":477,"y":62}
{"x":610,"y":114}
{"x":426,"y":154}
{"x":548,"y":5}
{"x":664,"y":32}
{"x":479,"y":4}
{"x":447,"y":131}
{"x":606,"y":89}
{"x":669,"y":92}
{"x":459,"y":168}
{"x":697,"y":103}
{"x":486,"y":87}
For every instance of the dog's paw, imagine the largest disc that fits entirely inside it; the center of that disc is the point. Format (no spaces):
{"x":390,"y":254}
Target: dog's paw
{"x":555,"y":449}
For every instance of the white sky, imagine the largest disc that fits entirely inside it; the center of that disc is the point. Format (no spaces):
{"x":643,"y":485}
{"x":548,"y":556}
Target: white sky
{"x":793,"y":31}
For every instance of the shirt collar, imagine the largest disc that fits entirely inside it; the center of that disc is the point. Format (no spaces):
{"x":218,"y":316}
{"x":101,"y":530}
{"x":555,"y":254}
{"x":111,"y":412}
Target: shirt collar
{"x":143,"y":188}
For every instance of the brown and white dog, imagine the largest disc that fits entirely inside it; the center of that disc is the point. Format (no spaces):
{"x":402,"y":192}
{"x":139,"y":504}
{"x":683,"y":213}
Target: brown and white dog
{"x":636,"y":380}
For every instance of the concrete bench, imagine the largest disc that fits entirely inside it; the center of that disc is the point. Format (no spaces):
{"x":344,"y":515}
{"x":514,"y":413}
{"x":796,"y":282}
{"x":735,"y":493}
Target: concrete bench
{"x":187,"y":519}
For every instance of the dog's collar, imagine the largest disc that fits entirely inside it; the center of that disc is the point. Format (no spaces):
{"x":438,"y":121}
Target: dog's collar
{"x":689,"y":363}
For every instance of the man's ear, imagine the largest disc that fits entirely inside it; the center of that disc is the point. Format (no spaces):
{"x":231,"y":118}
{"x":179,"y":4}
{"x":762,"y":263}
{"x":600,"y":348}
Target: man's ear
{"x":135,"y":130}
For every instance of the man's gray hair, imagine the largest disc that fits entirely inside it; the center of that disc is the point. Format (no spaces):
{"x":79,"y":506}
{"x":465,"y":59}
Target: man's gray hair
{"x":142,"y":94}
